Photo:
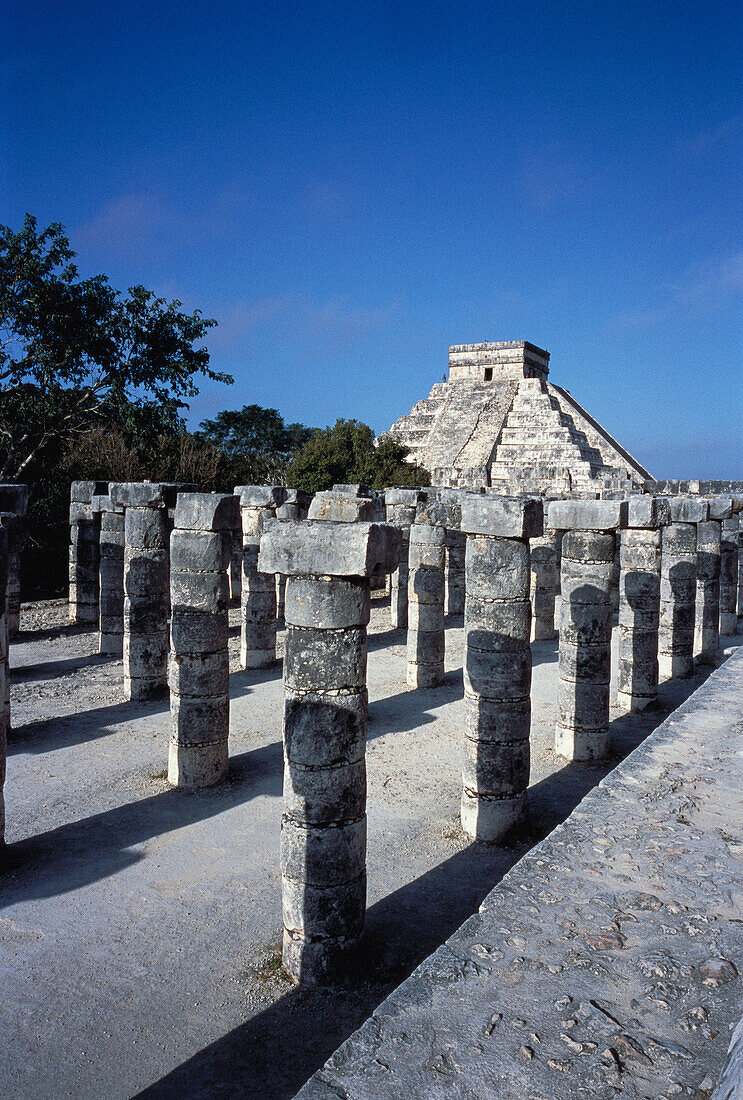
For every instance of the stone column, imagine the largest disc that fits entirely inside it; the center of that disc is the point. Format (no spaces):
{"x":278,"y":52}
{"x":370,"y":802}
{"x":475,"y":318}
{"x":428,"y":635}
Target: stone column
{"x":84,"y":551}
{"x":236,"y":564}
{"x":295,"y":508}
{"x":456,"y":544}
{"x":14,"y":499}
{"x":4,"y":679}
{"x":146,"y":588}
{"x":258,"y":504}
{"x":199,"y":672}
{"x":588,"y":548}
{"x":426,"y":556}
{"x":400,"y":512}
{"x":678,"y":582}
{"x":740,"y":573}
{"x":111,"y":575}
{"x":639,"y":602}
{"x":543,"y":554}
{"x":497,"y":665}
{"x":707,"y":619}
{"x":323,"y":828}
{"x":729,"y":575}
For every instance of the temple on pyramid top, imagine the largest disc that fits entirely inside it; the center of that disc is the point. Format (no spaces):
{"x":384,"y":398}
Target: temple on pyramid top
{"x":499,"y":422}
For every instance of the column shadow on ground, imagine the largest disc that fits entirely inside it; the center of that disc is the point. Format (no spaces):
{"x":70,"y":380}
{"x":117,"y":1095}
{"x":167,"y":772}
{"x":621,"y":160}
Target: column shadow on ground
{"x":50,"y":670}
{"x":401,"y":930}
{"x":81,"y":852}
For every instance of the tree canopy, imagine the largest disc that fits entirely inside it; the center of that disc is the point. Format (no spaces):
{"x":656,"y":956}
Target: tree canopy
{"x":256,"y":442}
{"x":348,"y":453}
{"x":76,"y":353}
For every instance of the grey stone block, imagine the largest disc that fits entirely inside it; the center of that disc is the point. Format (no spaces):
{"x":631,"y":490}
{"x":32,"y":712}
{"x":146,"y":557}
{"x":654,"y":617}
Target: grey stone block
{"x":503,"y":517}
{"x":261,"y":496}
{"x":321,"y":796}
{"x":327,"y":603}
{"x":497,"y":568}
{"x":207,"y":512}
{"x":325,"y":660}
{"x":195,"y":550}
{"x":322,"y":856}
{"x":324,"y":549}
{"x":648,"y":511}
{"x":325,"y":730}
{"x":324,"y":913}
{"x":587,"y":515}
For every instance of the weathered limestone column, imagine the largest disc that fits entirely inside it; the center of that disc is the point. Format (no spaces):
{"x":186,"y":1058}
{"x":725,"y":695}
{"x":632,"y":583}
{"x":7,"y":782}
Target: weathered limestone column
{"x":497,"y":665}
{"x":678,"y":583}
{"x":639,"y":602}
{"x":4,"y":679}
{"x":295,"y":508}
{"x":456,"y":544}
{"x":323,"y":828}
{"x":426,"y":555}
{"x":740,"y":574}
{"x":400,"y":509}
{"x":84,"y":551}
{"x":110,"y":575}
{"x":543,"y":554}
{"x":236,"y":565}
{"x":14,"y":499}
{"x":146,"y":588}
{"x":258,"y":504}
{"x":585,"y":623}
{"x":199,"y":671}
{"x":729,"y":575}
{"x":707,"y":619}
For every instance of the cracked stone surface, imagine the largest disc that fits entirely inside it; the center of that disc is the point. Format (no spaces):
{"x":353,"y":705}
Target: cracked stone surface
{"x":607,"y":962}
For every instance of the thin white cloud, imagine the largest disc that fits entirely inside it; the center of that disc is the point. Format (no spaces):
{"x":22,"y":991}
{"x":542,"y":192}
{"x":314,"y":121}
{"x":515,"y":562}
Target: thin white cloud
{"x":710,"y":140}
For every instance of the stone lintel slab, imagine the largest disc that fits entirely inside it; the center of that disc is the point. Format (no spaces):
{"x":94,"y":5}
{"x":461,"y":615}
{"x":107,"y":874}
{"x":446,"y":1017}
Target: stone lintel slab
{"x":720,"y":507}
{"x":541,"y":993}
{"x":440,"y":507}
{"x":409,"y":497}
{"x":502,"y":517}
{"x":311,"y":548}
{"x":207,"y":512}
{"x":102,"y":502}
{"x":148,"y":494}
{"x":688,"y":509}
{"x":261,"y":496}
{"x":587,"y":515}
{"x":82,"y":492}
{"x":648,"y":512}
{"x":352,"y":490}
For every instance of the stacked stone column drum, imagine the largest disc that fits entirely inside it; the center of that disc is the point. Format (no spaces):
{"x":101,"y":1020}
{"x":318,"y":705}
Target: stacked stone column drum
{"x":584,"y":665}
{"x":426,"y":558}
{"x":400,"y":507}
{"x":729,"y":575}
{"x":200,"y":554}
{"x":4,"y":680}
{"x":497,"y":665}
{"x":639,"y":602}
{"x":295,"y":507}
{"x":456,"y":544}
{"x":707,"y":621}
{"x":84,"y":551}
{"x":258,"y":504}
{"x":323,"y":830}
{"x":678,"y":584}
{"x":146,"y":587}
{"x":14,"y":500}
{"x":111,"y":576}
{"x":543,"y":552}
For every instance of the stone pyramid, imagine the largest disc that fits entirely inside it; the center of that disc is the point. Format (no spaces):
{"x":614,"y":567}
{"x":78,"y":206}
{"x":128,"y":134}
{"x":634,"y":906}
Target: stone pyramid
{"x":499,"y":422}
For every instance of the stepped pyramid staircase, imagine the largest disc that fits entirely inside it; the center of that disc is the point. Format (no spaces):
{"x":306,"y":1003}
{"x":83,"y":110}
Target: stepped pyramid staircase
{"x":504,"y":425}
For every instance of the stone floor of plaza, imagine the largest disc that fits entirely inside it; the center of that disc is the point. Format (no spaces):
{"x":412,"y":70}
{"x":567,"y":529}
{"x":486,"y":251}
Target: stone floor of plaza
{"x":140,"y":926}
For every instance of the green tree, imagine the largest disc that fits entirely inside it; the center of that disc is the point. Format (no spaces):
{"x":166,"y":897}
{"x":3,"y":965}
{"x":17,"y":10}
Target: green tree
{"x":75,"y":353}
{"x":348,"y":453}
{"x":257,"y":443}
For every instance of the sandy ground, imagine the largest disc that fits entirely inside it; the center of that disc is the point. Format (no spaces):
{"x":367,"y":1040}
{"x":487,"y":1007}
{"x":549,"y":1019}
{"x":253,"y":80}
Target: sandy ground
{"x":140,"y":926}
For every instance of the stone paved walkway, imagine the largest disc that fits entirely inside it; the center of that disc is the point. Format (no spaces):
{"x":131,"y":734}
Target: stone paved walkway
{"x":607,"y":962}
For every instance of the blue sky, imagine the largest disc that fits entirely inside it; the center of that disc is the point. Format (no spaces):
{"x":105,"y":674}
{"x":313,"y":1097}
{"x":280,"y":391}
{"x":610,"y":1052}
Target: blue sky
{"x":350,"y":188}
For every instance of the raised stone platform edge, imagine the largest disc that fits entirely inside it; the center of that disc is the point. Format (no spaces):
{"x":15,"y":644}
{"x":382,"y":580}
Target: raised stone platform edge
{"x":608,"y":961}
